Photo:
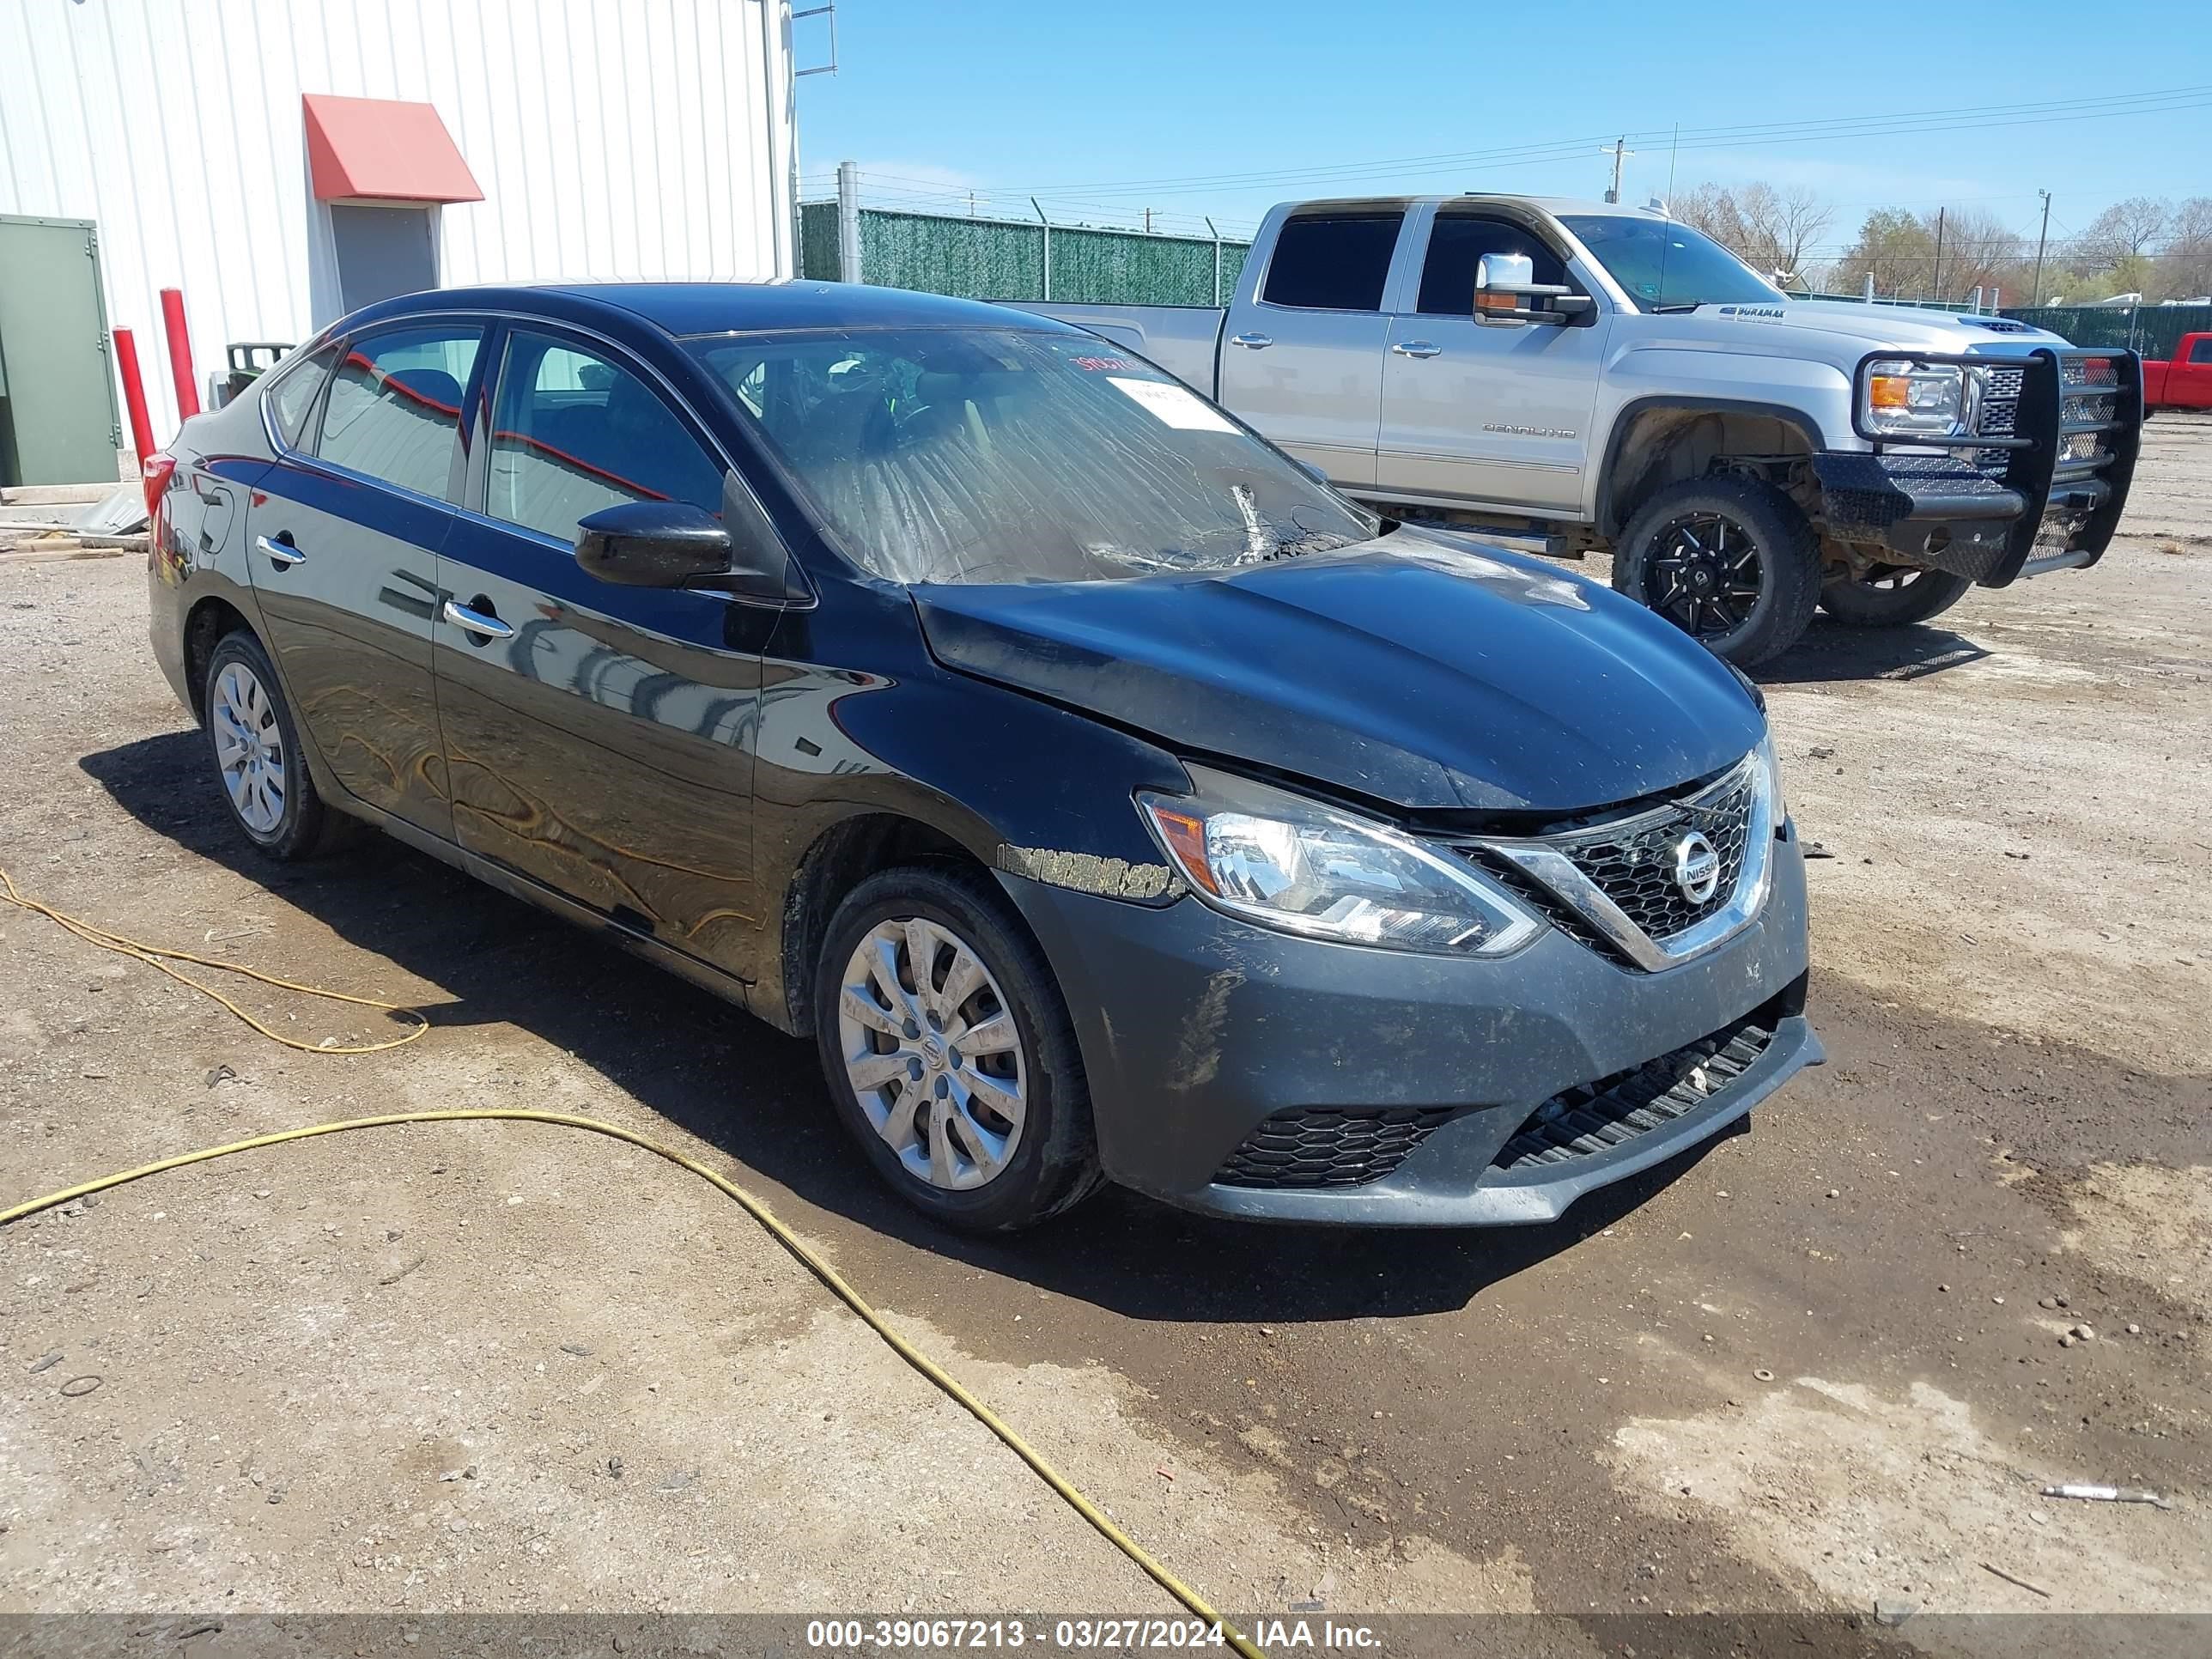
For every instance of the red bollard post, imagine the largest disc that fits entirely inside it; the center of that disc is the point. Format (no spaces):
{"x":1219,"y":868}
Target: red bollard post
{"x":134,"y":393}
{"x":181,"y":353}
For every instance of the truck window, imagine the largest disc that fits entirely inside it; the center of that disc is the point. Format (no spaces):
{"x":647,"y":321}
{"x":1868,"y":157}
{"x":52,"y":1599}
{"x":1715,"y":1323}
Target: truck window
{"x":2202,"y":351}
{"x":1456,"y":242}
{"x":1334,"y":262}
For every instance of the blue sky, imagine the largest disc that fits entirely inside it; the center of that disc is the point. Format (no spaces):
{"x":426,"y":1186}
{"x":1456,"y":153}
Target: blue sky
{"x":1104,"y":109}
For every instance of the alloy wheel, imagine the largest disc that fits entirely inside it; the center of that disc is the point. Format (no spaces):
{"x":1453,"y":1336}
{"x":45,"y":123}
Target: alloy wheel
{"x":1704,"y":574}
{"x":932,"y":1052}
{"x":249,"y":748}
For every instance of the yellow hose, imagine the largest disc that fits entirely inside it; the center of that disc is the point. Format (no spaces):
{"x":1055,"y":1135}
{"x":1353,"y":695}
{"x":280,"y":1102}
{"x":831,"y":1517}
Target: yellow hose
{"x":753,"y":1207}
{"x":152,"y":955}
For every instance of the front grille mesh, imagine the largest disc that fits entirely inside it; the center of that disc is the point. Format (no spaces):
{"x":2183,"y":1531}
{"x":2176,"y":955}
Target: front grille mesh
{"x":1636,"y":868}
{"x":1596,"y":1117}
{"x":1325,"y":1146}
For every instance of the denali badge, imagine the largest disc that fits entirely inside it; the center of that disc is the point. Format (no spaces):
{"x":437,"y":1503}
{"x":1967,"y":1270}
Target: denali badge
{"x":1697,"y":867}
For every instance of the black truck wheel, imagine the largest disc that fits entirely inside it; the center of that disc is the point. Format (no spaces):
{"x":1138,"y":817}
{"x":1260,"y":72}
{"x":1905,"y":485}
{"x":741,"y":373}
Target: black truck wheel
{"x":1892,"y":596}
{"x":1731,"y":561}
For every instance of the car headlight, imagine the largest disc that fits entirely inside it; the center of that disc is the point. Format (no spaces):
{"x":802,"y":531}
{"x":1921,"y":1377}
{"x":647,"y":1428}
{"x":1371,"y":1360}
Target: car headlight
{"x":1306,"y":867}
{"x":1908,"y":399}
{"x":1773,"y":764}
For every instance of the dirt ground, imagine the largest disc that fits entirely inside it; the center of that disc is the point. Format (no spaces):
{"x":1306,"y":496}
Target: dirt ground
{"x":1818,"y":1365}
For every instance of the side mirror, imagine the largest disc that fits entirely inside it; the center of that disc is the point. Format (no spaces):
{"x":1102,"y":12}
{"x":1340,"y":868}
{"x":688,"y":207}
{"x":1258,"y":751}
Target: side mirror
{"x":676,"y":544}
{"x":653,"y":544}
{"x":1508,"y":296}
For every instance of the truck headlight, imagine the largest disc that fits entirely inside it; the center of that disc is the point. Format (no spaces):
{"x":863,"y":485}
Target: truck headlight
{"x":1303,"y":866}
{"x":1908,"y":399}
{"x":1771,"y":763}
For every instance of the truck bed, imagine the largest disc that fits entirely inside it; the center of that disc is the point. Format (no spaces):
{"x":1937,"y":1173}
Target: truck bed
{"x":1184,"y":340}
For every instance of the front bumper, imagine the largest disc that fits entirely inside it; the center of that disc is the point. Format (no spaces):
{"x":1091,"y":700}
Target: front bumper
{"x":1213,"y":1047}
{"x":2041,"y":488}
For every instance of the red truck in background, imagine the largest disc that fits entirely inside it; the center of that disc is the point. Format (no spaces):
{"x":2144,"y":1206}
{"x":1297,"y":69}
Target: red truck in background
{"x":2185,"y":382}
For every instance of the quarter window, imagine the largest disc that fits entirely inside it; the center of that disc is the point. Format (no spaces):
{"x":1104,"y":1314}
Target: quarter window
{"x":293,"y":396}
{"x":395,"y":405}
{"x":1333,"y":261}
{"x":573,"y":433}
{"x":1456,"y":242}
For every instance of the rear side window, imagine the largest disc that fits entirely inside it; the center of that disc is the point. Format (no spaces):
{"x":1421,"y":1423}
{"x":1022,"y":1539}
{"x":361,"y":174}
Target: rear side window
{"x":573,"y":433}
{"x":1333,"y":261}
{"x":2202,"y":351}
{"x":1456,"y":242}
{"x":294,"y":396}
{"x":395,"y":405}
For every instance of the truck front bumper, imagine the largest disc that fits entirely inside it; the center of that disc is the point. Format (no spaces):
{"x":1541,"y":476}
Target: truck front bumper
{"x":1245,"y":1073}
{"x":2044,"y":492}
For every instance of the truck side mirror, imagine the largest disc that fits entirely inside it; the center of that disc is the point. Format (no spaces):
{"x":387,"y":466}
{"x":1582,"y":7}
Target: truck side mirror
{"x":1508,"y":296}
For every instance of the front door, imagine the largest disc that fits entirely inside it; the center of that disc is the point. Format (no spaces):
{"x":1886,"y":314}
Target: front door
{"x":599,"y":738}
{"x":1479,"y":414}
{"x":342,"y":541}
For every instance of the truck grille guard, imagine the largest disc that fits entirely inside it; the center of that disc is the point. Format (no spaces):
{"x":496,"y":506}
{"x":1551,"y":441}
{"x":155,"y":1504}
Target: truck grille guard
{"x":2058,"y":431}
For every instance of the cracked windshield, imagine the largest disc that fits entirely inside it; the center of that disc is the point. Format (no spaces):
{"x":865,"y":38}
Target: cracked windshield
{"x":944,"y":455}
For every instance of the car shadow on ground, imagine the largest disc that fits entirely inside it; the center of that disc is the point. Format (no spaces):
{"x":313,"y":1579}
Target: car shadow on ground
{"x":758,"y":1095}
{"x":1831,"y":652}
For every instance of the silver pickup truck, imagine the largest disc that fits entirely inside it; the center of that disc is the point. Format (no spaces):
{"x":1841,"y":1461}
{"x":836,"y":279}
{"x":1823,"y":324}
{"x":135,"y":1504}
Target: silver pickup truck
{"x":1605,"y":378}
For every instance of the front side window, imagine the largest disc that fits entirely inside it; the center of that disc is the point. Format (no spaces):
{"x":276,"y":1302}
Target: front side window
{"x":395,"y":404}
{"x":1004,"y":455}
{"x":574,"y":432}
{"x":2200,"y":352}
{"x":1331,"y":262}
{"x":1667,"y":267}
{"x":1456,"y":241}
{"x":292,"y":397}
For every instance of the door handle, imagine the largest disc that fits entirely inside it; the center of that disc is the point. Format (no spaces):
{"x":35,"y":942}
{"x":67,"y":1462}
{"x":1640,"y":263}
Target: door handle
{"x":474,"y":621}
{"x":1252,"y":342}
{"x":1417,"y":349}
{"x":281,"y":551}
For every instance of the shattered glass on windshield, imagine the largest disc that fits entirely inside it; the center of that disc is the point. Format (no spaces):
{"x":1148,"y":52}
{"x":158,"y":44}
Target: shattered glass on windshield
{"x":984,"y":455}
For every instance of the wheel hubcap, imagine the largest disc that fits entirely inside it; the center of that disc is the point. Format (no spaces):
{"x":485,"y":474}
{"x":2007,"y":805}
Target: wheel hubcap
{"x":1704,"y":574}
{"x":932,"y":1054}
{"x":249,"y":748}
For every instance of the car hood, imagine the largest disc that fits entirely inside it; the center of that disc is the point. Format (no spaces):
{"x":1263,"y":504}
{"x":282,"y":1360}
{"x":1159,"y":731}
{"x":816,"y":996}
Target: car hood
{"x":1873,"y":328}
{"x":1418,"y":669}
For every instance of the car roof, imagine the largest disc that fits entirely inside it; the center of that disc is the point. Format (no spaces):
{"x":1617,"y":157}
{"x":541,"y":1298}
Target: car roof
{"x":688,"y":308}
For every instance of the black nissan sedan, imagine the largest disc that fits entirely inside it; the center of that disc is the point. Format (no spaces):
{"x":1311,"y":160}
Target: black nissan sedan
{"x":1107,"y":798}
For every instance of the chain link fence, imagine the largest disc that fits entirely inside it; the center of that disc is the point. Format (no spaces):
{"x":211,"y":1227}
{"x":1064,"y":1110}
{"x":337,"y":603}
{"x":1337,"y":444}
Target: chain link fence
{"x":1014,"y":259}
{"x":2154,"y":331}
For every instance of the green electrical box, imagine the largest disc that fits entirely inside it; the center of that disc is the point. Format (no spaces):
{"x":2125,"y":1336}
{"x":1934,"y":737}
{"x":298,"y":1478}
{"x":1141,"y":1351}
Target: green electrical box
{"x":58,"y":423}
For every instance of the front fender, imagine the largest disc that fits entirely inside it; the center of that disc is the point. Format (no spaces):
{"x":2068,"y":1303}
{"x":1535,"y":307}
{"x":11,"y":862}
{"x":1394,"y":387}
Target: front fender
{"x":1815,"y":397}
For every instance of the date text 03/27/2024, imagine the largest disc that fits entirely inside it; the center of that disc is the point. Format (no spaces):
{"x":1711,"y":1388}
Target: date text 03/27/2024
{"x":1078,"y":1635}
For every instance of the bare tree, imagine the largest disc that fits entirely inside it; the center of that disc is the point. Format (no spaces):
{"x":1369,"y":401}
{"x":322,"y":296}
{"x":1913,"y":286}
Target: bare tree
{"x":1768,"y":229}
{"x":2123,"y":231}
{"x":1978,"y":252}
{"x":2188,"y":262}
{"x":1779,"y":227}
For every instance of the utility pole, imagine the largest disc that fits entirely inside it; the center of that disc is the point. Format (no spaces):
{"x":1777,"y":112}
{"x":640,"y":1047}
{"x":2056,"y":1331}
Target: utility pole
{"x":2035,"y":298}
{"x":1935,"y":281}
{"x":848,"y":222}
{"x":1148,"y":221}
{"x":1619,"y":151}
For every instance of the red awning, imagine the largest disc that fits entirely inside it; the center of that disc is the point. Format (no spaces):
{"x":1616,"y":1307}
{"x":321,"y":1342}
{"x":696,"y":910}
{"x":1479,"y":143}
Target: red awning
{"x":383,"y":149}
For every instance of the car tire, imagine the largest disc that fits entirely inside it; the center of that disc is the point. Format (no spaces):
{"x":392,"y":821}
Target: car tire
{"x":930,"y":1130}
{"x":259,"y":766}
{"x":1893,"y":596}
{"x":1676,"y":557}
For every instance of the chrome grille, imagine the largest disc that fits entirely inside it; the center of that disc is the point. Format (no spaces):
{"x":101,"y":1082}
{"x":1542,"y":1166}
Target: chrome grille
{"x":1634,"y":865}
{"x":2000,"y":415}
{"x":2002,"y":385}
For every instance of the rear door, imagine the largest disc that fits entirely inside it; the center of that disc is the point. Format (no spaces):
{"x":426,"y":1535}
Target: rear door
{"x":1303,"y":361}
{"x":344,"y":536}
{"x":598,"y":737}
{"x":1471,"y":413}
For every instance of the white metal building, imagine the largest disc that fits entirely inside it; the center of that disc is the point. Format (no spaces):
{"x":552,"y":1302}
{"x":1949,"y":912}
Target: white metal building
{"x":216,"y":148}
